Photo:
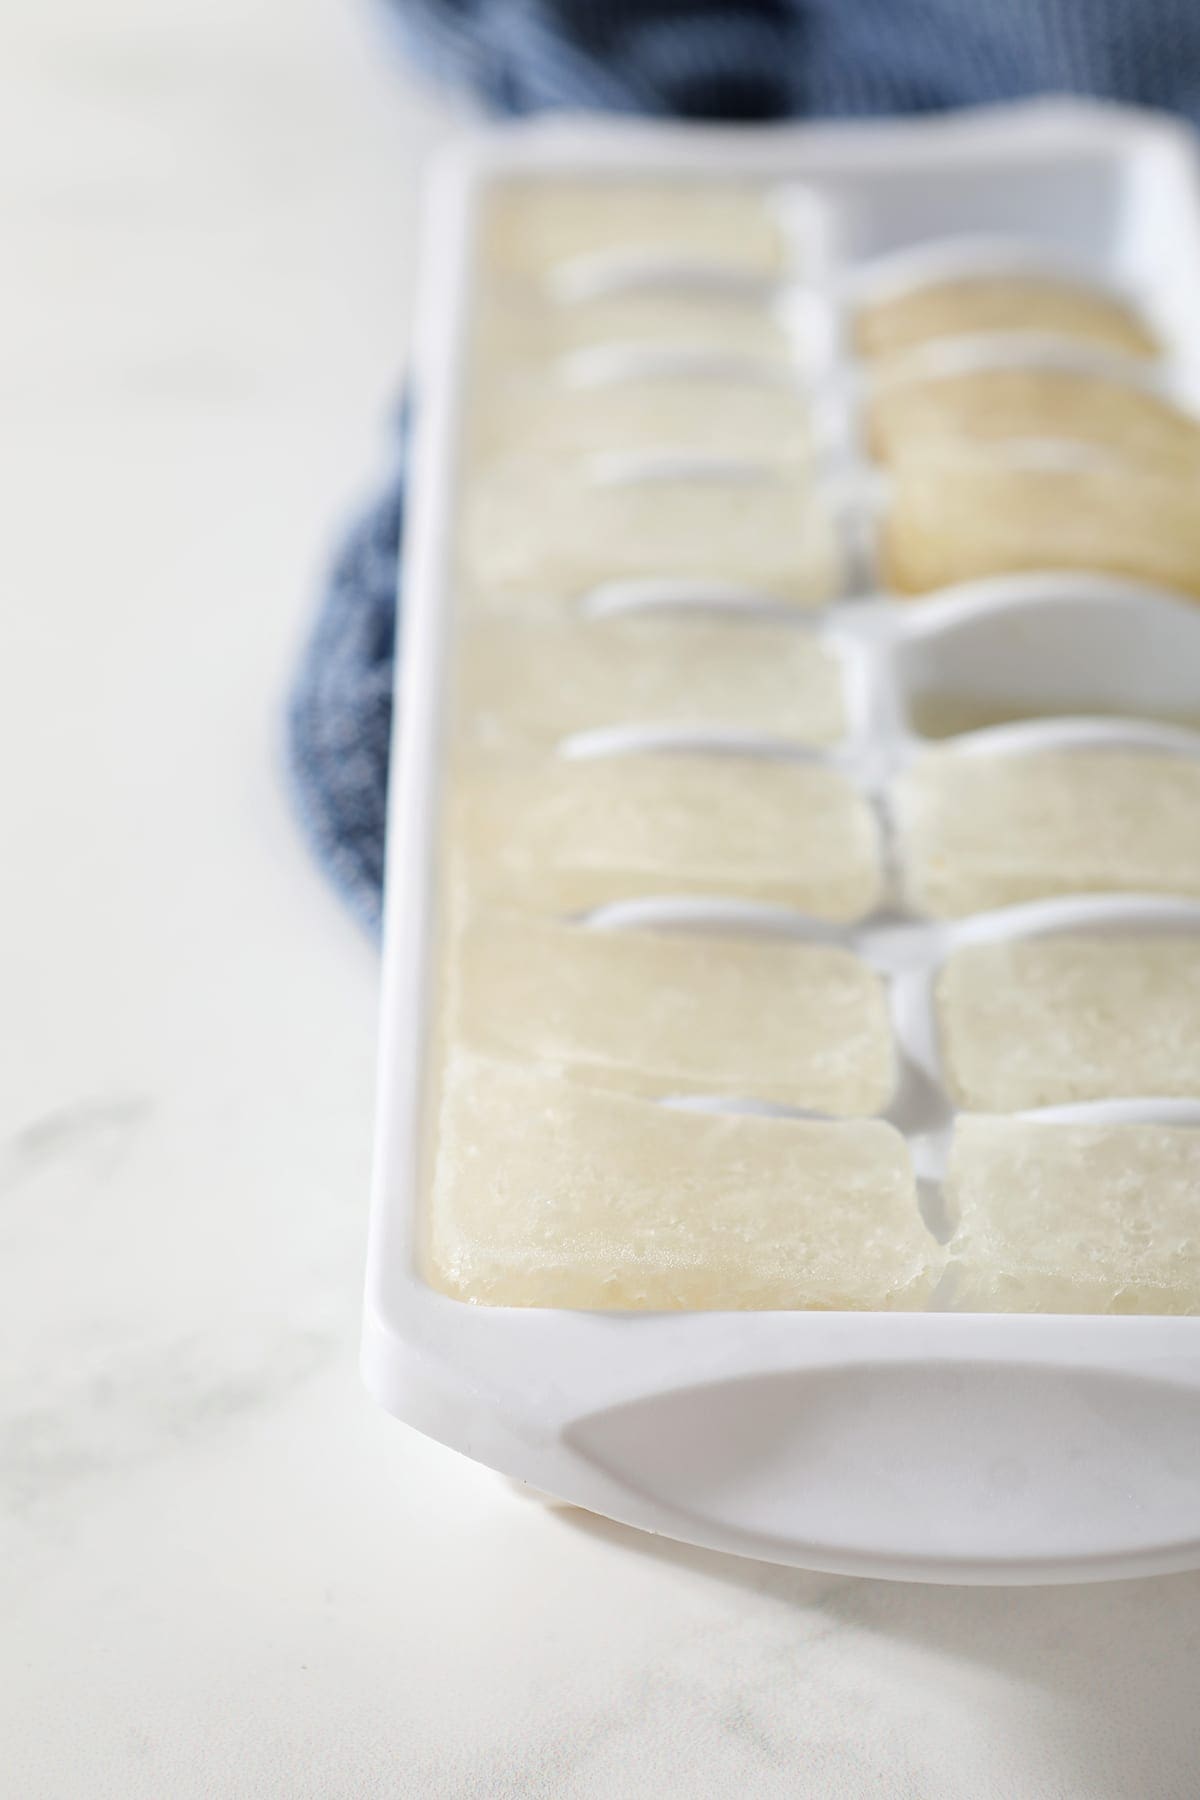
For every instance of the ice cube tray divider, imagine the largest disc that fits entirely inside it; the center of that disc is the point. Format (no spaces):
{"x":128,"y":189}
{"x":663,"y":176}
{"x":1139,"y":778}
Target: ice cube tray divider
{"x":936,"y":1445}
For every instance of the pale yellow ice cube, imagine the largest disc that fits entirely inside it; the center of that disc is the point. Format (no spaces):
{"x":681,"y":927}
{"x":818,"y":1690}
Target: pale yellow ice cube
{"x":533,"y":523}
{"x":525,"y":330}
{"x":1031,"y":402}
{"x":965,"y":305}
{"x":547,"y":1193}
{"x":1048,"y":1021}
{"x":1075,"y":1219}
{"x":543,"y":412}
{"x":663,"y":1013}
{"x":532,"y":226}
{"x":955,"y":517}
{"x":986,"y":831}
{"x":531,"y":682}
{"x":533,"y":604}
{"x":559,"y":835}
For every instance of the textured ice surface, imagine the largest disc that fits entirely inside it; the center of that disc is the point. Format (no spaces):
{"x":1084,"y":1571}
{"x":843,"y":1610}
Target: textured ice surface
{"x":985,"y":831}
{"x":1031,"y":402}
{"x":517,"y":329}
{"x":958,"y":307}
{"x":524,"y":681}
{"x":954,"y":517}
{"x":545,"y":524}
{"x":1057,"y":1218}
{"x":540,"y":410}
{"x":1053,"y":1020}
{"x":557,"y":835}
{"x":663,"y":1013}
{"x":532,"y":226}
{"x":548,"y":1193}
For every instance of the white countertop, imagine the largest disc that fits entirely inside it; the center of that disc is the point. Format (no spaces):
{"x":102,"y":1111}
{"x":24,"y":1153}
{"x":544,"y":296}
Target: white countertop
{"x":224,"y":1573}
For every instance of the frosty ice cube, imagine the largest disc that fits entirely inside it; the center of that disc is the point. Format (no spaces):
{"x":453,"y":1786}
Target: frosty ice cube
{"x":965,"y":305}
{"x":1047,"y":1021}
{"x":997,"y":510}
{"x":533,"y":682}
{"x":561,"y":527}
{"x":558,"y":835}
{"x":547,"y":1193}
{"x":532,"y":227}
{"x":1075,"y":1219}
{"x":663,"y":1013}
{"x":979,"y":832}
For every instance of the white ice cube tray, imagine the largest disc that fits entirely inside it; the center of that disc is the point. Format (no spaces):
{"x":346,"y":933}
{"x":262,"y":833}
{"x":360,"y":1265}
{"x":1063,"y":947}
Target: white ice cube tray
{"x":936,"y":1445}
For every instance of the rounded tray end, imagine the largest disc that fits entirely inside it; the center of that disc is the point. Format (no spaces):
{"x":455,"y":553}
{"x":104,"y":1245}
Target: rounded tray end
{"x":972,"y":1472}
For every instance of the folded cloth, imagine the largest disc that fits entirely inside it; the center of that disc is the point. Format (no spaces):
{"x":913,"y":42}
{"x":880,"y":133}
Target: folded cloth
{"x":713,"y":59}
{"x":340,"y":715}
{"x":761,"y":59}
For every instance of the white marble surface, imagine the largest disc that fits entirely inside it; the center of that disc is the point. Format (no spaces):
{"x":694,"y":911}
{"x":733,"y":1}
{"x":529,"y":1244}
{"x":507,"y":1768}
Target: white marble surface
{"x":224,"y":1573}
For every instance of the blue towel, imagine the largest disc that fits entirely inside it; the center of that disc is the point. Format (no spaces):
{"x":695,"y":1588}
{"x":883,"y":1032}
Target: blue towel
{"x":698,"y":59}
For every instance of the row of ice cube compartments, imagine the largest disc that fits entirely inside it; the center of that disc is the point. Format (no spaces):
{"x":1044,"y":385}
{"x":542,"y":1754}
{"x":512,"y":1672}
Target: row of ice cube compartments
{"x":536,"y":530}
{"x":959,"y":832}
{"x":571,"y":243}
{"x":1035,"y":1011}
{"x":620,"y":405}
{"x":546,"y":1191}
{"x":654,"y":350}
{"x":682,"y":658}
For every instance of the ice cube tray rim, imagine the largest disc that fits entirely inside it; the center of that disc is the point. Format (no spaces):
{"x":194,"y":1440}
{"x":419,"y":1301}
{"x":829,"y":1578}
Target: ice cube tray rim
{"x":521,"y":1390}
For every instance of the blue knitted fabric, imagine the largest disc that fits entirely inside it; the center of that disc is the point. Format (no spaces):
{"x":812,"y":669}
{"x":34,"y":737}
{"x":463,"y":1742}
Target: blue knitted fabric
{"x":698,"y":59}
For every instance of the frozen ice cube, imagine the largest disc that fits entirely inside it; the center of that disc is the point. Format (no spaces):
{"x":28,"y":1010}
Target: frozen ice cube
{"x":556,"y":834}
{"x":547,"y":1193}
{"x":541,"y":411}
{"x":1075,"y":1219}
{"x":662,"y":1013}
{"x":979,"y":832}
{"x":532,"y":682}
{"x":517,"y":330}
{"x":965,"y":305}
{"x":532,"y":226}
{"x":1031,"y":402}
{"x":544,"y":524}
{"x":993,"y":511}
{"x":1047,"y":1021}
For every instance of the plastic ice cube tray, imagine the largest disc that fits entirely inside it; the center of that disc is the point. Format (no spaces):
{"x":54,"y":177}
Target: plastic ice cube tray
{"x":934,"y":1445}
